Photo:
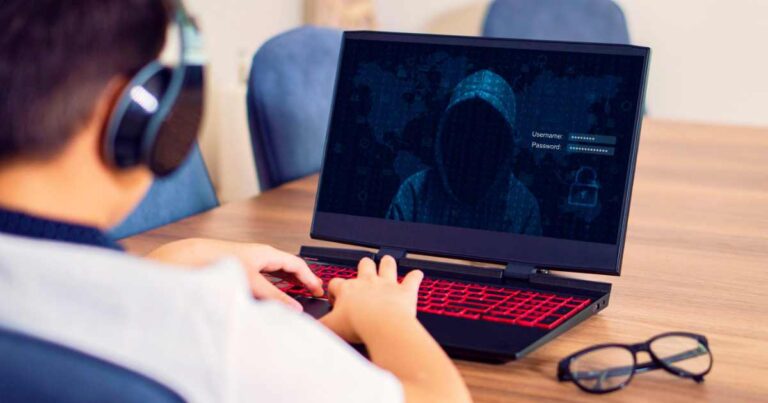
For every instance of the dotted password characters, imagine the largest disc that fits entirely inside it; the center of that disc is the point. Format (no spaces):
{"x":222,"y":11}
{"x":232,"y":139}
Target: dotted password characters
{"x":589,"y":149}
{"x":583,"y":138}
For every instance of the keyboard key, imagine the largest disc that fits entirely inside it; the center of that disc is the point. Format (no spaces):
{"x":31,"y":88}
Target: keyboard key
{"x":549,"y":320}
{"x":470,"y":305}
{"x":501,"y":318}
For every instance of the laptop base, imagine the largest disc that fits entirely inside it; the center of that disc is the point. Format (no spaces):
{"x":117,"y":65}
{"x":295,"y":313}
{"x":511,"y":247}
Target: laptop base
{"x":474,"y":340}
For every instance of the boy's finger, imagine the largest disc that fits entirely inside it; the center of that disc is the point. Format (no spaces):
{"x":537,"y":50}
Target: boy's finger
{"x":279,"y":260}
{"x":412,"y":280}
{"x":304,"y":274}
{"x":334,"y":287}
{"x":261,"y":288}
{"x":388,"y":269}
{"x":366,"y":269}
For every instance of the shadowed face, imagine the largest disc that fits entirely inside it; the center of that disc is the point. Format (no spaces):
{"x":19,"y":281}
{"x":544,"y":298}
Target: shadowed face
{"x":475,"y":143}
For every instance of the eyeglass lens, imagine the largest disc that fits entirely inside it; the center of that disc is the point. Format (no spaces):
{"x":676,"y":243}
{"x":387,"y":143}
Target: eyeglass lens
{"x":682,"y":354}
{"x":604,"y":369}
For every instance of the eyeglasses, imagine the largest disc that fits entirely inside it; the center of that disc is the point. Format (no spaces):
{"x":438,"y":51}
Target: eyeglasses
{"x":609,"y":367}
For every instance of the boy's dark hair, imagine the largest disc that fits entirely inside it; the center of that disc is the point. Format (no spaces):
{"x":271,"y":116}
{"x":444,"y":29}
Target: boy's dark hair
{"x":56,"y":57}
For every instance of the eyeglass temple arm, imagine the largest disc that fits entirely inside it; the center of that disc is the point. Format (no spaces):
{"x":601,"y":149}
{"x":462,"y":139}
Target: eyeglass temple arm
{"x":696,"y":352}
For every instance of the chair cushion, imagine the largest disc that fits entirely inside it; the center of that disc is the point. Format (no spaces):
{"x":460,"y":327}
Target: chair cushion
{"x":33,"y":370}
{"x":289,"y":99}
{"x":560,"y":20}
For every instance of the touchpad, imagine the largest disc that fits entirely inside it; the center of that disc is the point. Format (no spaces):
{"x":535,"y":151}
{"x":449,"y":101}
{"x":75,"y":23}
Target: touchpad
{"x":315,"y":307}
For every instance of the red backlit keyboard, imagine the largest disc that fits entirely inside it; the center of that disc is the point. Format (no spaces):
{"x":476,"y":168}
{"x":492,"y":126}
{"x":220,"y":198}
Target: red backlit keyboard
{"x":473,"y":301}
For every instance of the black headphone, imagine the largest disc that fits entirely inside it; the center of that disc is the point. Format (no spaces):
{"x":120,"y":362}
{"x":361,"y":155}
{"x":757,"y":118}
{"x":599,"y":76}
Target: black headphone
{"x":157,"y":117}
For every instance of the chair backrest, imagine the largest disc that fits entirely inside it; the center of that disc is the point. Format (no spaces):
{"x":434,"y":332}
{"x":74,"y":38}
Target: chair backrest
{"x":290,"y":91}
{"x":186,"y":192}
{"x":33,"y":370}
{"x":564,"y":20}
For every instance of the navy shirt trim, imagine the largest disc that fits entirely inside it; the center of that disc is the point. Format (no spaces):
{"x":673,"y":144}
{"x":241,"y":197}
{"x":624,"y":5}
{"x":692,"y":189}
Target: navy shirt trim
{"x":25,"y":225}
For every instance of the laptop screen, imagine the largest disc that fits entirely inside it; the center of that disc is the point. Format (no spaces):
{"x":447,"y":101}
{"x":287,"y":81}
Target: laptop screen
{"x":511,"y":140}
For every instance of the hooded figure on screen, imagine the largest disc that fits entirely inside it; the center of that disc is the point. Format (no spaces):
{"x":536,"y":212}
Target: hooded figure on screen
{"x":472,"y":184}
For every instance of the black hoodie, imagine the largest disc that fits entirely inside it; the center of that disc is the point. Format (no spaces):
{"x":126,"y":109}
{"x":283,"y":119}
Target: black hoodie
{"x":472,"y":184}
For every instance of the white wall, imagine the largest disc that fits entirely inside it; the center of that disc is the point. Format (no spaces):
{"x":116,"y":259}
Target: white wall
{"x":462,"y":17}
{"x":710,"y":57}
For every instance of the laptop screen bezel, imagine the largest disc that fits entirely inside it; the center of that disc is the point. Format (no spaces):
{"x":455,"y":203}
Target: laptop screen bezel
{"x":482,"y":245}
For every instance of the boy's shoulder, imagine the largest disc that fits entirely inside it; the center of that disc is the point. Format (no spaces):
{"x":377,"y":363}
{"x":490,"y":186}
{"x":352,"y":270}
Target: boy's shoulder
{"x":137,"y":313}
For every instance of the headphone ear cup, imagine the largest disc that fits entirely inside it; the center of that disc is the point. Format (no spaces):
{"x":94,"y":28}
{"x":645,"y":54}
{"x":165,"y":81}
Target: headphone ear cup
{"x":173,"y":132}
{"x":130,"y":122}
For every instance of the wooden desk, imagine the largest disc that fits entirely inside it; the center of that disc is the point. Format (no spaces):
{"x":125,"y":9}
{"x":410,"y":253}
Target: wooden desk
{"x":696,"y":260}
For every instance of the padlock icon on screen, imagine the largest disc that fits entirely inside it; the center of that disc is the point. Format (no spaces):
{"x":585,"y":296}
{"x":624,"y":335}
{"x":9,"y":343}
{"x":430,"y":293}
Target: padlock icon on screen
{"x":584,"y":189}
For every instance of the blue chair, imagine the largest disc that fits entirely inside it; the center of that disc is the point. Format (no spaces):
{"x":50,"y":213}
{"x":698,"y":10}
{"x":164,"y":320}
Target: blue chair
{"x":563,"y":20}
{"x":186,"y":192}
{"x":33,"y":370}
{"x":290,"y":90}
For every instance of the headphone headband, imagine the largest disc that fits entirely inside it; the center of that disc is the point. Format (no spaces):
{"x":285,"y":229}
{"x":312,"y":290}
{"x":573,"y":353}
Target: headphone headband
{"x":189,"y":35}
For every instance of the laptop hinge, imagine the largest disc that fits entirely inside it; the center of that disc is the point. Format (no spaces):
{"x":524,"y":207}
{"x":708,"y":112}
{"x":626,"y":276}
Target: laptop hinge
{"x":521,"y":271}
{"x":334,"y":255}
{"x":394,"y":252}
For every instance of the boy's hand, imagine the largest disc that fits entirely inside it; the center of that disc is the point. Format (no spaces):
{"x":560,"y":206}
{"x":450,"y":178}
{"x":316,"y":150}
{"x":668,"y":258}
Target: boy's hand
{"x":255,"y":258}
{"x":372,"y":299}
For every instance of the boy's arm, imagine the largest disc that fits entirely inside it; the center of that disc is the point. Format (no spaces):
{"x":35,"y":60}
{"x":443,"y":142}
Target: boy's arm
{"x":377,"y":311}
{"x":256,"y":259}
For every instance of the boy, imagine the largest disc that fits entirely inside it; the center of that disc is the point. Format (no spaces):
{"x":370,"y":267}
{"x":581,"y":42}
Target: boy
{"x":199,"y":332}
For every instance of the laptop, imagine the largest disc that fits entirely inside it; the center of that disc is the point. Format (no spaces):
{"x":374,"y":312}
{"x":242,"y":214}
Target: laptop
{"x":513,"y":158}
